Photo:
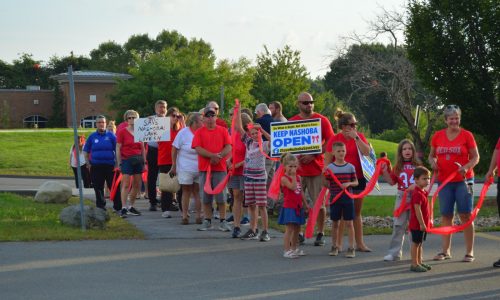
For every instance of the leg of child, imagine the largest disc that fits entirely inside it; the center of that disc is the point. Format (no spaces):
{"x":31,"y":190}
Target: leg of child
{"x":335,"y":233}
{"x":253,"y":217}
{"x":294,"y":238}
{"x":350,"y":232}
{"x":419,"y":254}
{"x":340,"y":234}
{"x":288,"y":237}
{"x":263,"y":217}
{"x":414,"y":254}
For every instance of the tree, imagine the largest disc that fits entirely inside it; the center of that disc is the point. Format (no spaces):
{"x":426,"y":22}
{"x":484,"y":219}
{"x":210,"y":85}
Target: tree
{"x":237,"y":79}
{"x":280,"y":76}
{"x":57,"y":65}
{"x":111,"y":57}
{"x":185,"y":77}
{"x":377,"y":70}
{"x":455,"y":48}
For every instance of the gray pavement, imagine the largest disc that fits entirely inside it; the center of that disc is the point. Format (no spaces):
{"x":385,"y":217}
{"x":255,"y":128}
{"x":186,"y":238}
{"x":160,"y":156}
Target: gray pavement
{"x":179,"y":262}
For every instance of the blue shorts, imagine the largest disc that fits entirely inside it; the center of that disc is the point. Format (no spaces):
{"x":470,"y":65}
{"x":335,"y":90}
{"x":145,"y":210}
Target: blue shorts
{"x":455,"y":192}
{"x":342,"y":208}
{"x":132,"y":165}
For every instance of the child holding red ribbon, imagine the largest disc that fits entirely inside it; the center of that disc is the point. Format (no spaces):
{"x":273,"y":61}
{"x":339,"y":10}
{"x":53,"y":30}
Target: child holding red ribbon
{"x":402,"y":175}
{"x":341,"y":205}
{"x":255,"y":176}
{"x":419,"y":219}
{"x":292,"y":213}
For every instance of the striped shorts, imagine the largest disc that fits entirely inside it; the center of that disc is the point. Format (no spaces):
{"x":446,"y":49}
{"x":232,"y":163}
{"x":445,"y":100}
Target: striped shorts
{"x":255,"y":192}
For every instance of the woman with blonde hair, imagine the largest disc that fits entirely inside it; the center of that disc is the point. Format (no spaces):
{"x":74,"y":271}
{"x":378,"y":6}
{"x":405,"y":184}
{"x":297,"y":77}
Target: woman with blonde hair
{"x":130,"y":157}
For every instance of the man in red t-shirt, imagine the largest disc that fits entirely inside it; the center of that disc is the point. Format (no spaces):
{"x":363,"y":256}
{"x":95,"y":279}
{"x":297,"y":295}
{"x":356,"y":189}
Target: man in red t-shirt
{"x":212,"y":143}
{"x":311,"y":165}
{"x":215,"y":106}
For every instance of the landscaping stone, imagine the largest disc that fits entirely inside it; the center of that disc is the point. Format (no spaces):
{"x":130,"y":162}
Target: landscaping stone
{"x":53,"y":192}
{"x":94,"y":217}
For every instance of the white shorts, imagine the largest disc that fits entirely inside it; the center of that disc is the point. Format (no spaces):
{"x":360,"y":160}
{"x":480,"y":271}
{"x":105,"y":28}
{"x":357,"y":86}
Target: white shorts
{"x":187,"y":177}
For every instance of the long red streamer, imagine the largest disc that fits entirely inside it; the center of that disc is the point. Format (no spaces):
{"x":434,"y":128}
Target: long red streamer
{"x":274,"y":187}
{"x":117,"y":178}
{"x":313,"y":213}
{"x":457,"y":228}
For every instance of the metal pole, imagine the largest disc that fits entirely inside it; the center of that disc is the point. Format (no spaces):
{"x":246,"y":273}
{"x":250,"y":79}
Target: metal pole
{"x":222,"y":100}
{"x":76,"y":143}
{"x":417,"y":116}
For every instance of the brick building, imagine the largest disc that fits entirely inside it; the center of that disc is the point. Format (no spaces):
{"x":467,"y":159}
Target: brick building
{"x":34,"y":107}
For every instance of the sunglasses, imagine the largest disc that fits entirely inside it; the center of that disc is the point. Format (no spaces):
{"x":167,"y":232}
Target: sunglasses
{"x":216,"y":108}
{"x":306,"y":102}
{"x":352,"y":125}
{"x":176,"y":116}
{"x":210,"y":115}
{"x":452,"y":106}
{"x":131,"y":118}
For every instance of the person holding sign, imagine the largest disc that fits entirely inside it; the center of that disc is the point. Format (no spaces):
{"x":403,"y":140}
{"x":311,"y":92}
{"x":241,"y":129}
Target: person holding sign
{"x":152,"y":158}
{"x":353,"y":140}
{"x":212,"y":143}
{"x":452,"y":149}
{"x":131,"y":157}
{"x":311,"y":165}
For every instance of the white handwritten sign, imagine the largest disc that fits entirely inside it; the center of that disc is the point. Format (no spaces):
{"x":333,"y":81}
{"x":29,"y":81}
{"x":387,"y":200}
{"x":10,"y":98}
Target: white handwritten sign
{"x":152,"y":129}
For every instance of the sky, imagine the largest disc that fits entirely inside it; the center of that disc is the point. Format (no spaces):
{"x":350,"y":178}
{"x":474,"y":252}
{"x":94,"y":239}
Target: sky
{"x":234,"y":28}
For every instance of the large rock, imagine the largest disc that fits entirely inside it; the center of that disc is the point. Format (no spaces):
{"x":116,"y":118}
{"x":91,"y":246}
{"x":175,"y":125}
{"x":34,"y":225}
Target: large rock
{"x":94,"y":217}
{"x":53,"y":192}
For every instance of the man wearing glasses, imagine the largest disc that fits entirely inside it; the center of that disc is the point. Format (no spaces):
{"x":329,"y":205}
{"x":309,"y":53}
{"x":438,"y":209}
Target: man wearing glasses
{"x":220,"y":122}
{"x":212,"y":143}
{"x":152,"y":158}
{"x":311,"y":165}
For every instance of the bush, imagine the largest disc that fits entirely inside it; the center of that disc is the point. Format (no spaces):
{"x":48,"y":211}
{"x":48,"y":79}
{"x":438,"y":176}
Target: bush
{"x":394,"y":135}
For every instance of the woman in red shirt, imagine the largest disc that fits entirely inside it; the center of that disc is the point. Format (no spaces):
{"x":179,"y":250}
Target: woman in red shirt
{"x":452,"y":149}
{"x":165,"y":160}
{"x":353,"y":140}
{"x":130,"y":156}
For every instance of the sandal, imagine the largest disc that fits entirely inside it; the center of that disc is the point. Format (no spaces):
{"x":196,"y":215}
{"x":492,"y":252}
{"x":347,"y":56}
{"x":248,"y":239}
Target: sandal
{"x":468,"y":258}
{"x":442,"y":256}
{"x":366,"y":249}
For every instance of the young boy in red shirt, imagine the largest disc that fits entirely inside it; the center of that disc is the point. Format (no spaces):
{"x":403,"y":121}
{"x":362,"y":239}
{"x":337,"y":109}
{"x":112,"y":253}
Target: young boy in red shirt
{"x":419,"y":218}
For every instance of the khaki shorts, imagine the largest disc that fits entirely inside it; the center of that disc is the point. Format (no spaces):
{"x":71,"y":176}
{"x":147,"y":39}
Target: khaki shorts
{"x":312,"y":185}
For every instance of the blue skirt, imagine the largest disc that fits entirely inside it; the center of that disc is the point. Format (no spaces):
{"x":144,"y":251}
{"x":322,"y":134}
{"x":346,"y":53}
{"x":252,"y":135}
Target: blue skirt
{"x":289,"y":215}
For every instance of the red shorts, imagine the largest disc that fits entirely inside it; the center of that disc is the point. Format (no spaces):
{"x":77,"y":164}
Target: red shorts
{"x":255,"y":192}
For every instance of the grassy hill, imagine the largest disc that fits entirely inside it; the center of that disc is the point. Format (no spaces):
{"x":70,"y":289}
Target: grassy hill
{"x":46,"y":152}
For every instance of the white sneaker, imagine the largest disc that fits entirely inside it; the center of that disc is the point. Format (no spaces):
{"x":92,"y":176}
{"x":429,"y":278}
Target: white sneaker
{"x":166,"y":214}
{"x":289,"y":254}
{"x":389,"y":257}
{"x":299,"y":252}
{"x":224,"y":226}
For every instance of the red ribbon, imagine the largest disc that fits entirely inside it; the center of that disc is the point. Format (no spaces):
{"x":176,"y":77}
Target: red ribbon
{"x":115,"y":184}
{"x":457,"y":228}
{"x":274,"y":187}
{"x":261,"y":148}
{"x":313,"y":213}
{"x":403,"y":206}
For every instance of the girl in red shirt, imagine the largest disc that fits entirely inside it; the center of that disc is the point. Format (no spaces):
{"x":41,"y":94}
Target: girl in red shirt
{"x":292,"y":213}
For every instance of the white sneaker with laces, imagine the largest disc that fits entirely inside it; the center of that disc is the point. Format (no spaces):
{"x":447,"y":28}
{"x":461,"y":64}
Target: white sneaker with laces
{"x":166,"y":214}
{"x":299,"y":252}
{"x":289,"y":254}
{"x":224,"y":226}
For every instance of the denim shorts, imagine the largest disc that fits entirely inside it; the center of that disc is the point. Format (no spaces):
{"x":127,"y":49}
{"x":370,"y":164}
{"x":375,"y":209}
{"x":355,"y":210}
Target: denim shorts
{"x":455,"y":192}
{"x":131,"y":166}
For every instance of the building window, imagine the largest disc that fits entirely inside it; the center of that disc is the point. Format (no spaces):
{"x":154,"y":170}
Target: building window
{"x":88,"y":122}
{"x":93,"y":98}
{"x":36,"y":102}
{"x":35,"y":121}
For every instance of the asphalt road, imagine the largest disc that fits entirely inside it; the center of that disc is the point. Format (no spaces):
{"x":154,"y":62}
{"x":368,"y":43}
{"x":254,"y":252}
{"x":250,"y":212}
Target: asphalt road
{"x":178,"y":262}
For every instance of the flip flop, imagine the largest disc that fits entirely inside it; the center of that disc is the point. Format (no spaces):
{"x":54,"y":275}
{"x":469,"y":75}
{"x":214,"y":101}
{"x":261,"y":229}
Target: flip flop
{"x":468,"y":258}
{"x":442,"y":256}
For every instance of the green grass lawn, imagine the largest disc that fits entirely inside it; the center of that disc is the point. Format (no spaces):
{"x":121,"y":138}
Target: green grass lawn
{"x":46,"y":153}
{"x":38,"y":153}
{"x":22,"y":219}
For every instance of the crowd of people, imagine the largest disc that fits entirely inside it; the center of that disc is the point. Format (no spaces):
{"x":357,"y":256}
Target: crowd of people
{"x":213,"y":164}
